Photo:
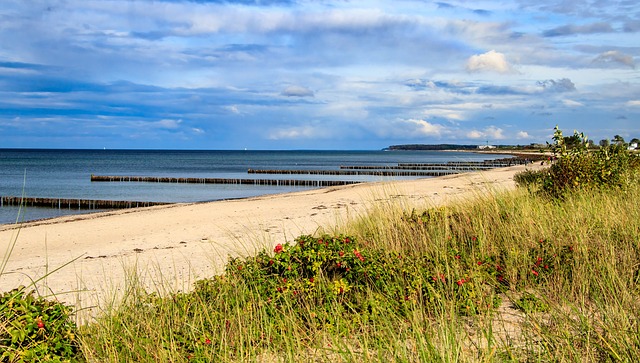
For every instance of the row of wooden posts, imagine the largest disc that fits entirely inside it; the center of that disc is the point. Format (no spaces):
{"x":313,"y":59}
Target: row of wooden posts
{"x":401,"y":169}
{"x":61,"y":203}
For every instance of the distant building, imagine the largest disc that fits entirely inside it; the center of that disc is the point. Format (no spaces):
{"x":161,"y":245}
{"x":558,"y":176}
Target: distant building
{"x":484,"y":147}
{"x":633,"y":146}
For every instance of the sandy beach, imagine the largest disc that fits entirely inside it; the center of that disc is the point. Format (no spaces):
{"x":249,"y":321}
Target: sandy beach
{"x":172,"y":246}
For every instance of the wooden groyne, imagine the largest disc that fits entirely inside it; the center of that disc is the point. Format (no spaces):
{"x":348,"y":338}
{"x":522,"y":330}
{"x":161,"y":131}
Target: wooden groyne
{"x":60,"y":203}
{"x":417,"y":167}
{"x":271,"y":182}
{"x":466,"y":164}
{"x":354,"y":172}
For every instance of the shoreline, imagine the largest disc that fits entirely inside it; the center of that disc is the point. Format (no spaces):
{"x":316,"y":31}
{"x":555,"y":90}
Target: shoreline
{"x":174,"y":245}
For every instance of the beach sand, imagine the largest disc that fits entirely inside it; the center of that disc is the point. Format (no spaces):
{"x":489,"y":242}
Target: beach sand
{"x":170,"y":247}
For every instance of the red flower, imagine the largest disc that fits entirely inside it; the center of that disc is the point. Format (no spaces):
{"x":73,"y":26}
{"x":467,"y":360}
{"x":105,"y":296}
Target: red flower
{"x":341,"y":253}
{"x":40,"y":324}
{"x":278,"y":248}
{"x":474,"y":238}
{"x":311,"y":280}
{"x":347,"y":240}
{"x":460,"y":282}
{"x":270,"y":262}
{"x":240,"y":267}
{"x":479,"y":263}
{"x":207,"y":341}
{"x":534,"y":272}
{"x":284,"y":280}
{"x":358,"y":255}
{"x":457,"y":257}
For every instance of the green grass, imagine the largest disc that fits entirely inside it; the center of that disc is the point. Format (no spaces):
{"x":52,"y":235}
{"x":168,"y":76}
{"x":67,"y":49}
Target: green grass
{"x":581,"y":304}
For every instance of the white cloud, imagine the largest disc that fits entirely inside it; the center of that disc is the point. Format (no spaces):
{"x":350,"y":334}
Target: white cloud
{"x":233,"y":109}
{"x":633,"y":103}
{"x":444,"y":113}
{"x":522,"y":135}
{"x":423,"y":128}
{"x":572,"y":103}
{"x":299,"y":132}
{"x":491,"y":133}
{"x":491,"y":61}
{"x":297,"y":91}
{"x":168,"y":124}
{"x":615,"y":57}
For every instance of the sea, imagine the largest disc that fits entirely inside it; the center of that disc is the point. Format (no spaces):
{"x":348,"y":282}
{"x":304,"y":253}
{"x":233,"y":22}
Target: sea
{"x":48,"y":173}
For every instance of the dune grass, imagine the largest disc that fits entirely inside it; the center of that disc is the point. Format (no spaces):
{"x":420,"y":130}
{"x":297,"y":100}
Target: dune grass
{"x":503,"y":277}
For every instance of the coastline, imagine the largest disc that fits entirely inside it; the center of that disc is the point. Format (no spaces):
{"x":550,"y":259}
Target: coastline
{"x":180,"y":243}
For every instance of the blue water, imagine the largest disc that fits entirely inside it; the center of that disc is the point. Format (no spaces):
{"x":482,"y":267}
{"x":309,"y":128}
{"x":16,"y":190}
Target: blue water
{"x":66,"y":173}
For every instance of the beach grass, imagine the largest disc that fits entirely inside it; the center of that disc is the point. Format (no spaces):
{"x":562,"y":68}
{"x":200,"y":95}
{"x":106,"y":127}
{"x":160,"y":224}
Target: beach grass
{"x":505,"y":276}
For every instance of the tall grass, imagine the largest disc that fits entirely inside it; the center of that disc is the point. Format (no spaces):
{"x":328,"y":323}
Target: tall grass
{"x":583,"y":307}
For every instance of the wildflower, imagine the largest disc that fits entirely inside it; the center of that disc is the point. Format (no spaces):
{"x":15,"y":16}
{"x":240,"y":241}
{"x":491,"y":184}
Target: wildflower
{"x":538,"y":261}
{"x":457,"y":257}
{"x":460,"y":282}
{"x":358,"y":255}
{"x":284,"y":280}
{"x":278,"y":248}
{"x":347,"y":240}
{"x":474,"y":238}
{"x":534,"y":272}
{"x":270,"y":262}
{"x":311,"y":280}
{"x":40,"y":324}
{"x":479,"y":263}
{"x":240,"y":267}
{"x":341,"y":253}
{"x":207,"y":341}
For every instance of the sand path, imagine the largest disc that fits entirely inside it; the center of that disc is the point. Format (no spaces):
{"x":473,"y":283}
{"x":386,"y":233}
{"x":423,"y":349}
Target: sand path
{"x":178,"y":244}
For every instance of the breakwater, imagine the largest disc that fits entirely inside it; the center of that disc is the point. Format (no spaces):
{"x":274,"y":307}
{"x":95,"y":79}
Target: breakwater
{"x":60,"y":203}
{"x":354,"y":172}
{"x":439,"y":167}
{"x":238,"y":181}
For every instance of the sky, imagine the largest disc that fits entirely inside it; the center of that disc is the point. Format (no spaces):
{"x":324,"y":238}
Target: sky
{"x":324,"y":74}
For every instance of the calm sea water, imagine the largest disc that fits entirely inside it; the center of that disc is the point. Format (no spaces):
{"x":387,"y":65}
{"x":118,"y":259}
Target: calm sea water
{"x":66,"y":173}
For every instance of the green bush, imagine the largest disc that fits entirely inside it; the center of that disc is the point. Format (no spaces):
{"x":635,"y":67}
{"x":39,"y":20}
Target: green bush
{"x":33,"y":329}
{"x":319,"y":272}
{"x":576,"y":167}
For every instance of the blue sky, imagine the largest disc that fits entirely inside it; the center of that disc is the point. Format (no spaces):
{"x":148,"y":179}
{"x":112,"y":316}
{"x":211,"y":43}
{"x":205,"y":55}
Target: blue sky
{"x":289,"y":74}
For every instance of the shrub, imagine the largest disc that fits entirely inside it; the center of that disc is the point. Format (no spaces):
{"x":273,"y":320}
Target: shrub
{"x":320,"y":271}
{"x":577,"y":167}
{"x":33,"y":329}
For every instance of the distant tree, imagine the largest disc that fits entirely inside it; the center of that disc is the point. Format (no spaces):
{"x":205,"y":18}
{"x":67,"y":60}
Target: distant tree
{"x":635,"y":140}
{"x":618,"y":140}
{"x":572,"y":141}
{"x":604,"y":142}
